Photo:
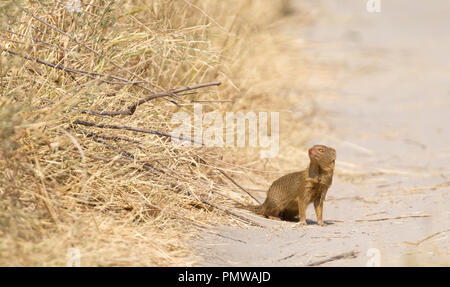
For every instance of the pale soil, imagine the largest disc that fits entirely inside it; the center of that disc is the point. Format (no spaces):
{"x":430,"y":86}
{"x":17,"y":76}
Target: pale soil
{"x":388,"y":114}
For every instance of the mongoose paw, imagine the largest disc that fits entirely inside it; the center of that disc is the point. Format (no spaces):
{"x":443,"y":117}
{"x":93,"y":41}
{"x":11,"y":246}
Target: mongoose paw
{"x":321,"y":224}
{"x":300,"y":223}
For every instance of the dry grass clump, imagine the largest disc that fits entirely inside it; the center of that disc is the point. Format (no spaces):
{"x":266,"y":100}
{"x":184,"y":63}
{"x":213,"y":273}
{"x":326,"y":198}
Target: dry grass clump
{"x":121,"y":196}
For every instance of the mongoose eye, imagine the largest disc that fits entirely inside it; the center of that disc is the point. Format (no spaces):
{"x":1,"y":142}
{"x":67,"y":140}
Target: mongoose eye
{"x":321,"y":150}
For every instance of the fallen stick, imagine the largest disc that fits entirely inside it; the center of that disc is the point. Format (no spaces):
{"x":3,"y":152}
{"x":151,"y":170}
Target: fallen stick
{"x":158,"y":133}
{"x":235,"y":183}
{"x":287,"y":257}
{"x":211,"y":101}
{"x":223,"y":236}
{"x":352,"y":198}
{"x":230,"y":179}
{"x":132,"y":108}
{"x":241,"y":217}
{"x":395,"y":217}
{"x":426,"y":238}
{"x":351,"y":254}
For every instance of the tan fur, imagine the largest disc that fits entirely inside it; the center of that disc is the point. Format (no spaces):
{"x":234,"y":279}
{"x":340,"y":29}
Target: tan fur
{"x":289,"y":195}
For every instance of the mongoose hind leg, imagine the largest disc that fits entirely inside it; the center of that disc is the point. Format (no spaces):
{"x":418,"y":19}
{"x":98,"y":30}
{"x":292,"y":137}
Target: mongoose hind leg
{"x":301,"y":212}
{"x":290,"y":212}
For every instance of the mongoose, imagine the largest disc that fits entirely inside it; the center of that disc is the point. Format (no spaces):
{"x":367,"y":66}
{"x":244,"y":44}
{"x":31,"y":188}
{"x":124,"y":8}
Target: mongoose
{"x":289,"y":195}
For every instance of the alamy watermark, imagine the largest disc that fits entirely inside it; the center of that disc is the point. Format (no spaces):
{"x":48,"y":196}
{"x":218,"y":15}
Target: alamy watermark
{"x":73,"y":256}
{"x":373,"y":6}
{"x":374,"y":255}
{"x":73,"y":5}
{"x":209,"y":128}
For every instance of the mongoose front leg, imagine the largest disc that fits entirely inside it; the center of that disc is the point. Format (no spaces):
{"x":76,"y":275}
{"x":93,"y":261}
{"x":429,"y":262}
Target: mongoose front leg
{"x":318,"y":206}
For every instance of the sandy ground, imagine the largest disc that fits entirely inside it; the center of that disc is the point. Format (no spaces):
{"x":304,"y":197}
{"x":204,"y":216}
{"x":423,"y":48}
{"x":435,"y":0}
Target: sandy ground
{"x":388,"y":114}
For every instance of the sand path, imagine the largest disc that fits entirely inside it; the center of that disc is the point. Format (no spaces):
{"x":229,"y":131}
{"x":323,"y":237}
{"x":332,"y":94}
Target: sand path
{"x":388,"y":116}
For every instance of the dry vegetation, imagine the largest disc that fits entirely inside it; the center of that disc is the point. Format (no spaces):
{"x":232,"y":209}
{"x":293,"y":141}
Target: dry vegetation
{"x":127,"y":197}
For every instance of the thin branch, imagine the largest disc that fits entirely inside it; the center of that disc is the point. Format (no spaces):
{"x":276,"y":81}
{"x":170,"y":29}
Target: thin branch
{"x":395,"y":217}
{"x":158,"y":133}
{"x":229,"y":178}
{"x":227,"y":211}
{"x":128,"y":160}
{"x":36,"y":40}
{"x":132,"y":108}
{"x":206,"y":15}
{"x":236,"y":184}
{"x":426,"y":238}
{"x":108,"y":137}
{"x":351,"y":254}
{"x":93,"y":75}
{"x":211,"y":101}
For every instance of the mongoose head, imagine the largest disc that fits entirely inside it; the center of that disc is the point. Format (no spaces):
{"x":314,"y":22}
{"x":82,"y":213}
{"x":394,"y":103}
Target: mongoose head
{"x":323,"y":155}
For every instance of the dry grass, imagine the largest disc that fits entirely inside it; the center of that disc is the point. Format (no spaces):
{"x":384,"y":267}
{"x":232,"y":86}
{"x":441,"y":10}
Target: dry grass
{"x":124,"y":197}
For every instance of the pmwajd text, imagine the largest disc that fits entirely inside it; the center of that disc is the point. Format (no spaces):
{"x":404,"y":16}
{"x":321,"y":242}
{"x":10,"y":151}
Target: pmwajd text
{"x":255,"y":277}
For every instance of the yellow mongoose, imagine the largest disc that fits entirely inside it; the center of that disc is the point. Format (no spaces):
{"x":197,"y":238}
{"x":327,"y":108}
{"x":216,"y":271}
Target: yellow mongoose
{"x":289,"y":195}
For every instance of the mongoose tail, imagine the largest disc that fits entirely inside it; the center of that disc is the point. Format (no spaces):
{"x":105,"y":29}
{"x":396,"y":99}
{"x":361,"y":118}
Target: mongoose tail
{"x":258,"y":209}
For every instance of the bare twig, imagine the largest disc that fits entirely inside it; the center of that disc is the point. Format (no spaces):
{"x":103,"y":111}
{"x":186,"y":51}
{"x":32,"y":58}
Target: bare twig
{"x":108,"y":137}
{"x":158,"y":133}
{"x":227,"y":237}
{"x":235,"y":183}
{"x":227,"y":211}
{"x":206,"y":15}
{"x":211,"y":101}
{"x":395,"y":217}
{"x":351,"y":254}
{"x":122,"y":81}
{"x":287,"y":257}
{"x":128,"y":160}
{"x":37,"y":40}
{"x":353,"y":198}
{"x":230,"y":179}
{"x":426,"y":238}
{"x":132,"y":108}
